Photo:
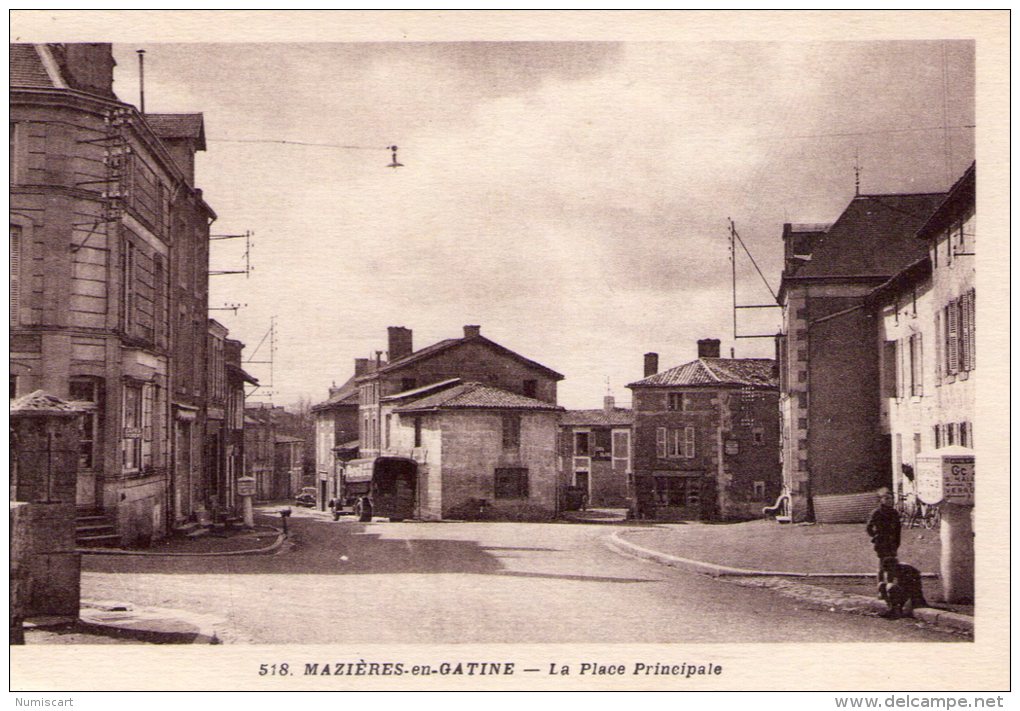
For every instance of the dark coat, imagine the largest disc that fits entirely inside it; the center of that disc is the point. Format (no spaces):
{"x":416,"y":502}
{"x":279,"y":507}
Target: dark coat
{"x":884,"y":529}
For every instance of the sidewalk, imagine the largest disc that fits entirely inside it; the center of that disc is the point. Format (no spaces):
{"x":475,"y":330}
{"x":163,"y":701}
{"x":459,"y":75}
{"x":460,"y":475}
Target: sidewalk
{"x":827,"y":564}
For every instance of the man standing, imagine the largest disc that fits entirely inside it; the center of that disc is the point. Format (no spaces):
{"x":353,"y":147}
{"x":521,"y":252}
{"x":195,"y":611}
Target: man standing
{"x":884,"y":528}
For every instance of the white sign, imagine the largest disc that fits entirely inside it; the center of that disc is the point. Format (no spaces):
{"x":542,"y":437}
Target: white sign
{"x":945,"y":477}
{"x":246,"y":486}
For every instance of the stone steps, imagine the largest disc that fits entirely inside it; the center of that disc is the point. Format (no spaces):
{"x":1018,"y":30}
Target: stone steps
{"x":95,"y":529}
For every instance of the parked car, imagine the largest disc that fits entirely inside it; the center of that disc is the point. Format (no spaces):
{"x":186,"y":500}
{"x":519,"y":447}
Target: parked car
{"x":306,"y":497}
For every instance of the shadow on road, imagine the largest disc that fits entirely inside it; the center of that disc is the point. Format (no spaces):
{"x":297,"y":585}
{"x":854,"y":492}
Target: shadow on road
{"x":319,"y":547}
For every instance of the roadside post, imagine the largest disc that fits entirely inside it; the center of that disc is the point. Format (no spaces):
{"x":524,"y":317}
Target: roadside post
{"x":946,"y":477}
{"x":246,"y":490}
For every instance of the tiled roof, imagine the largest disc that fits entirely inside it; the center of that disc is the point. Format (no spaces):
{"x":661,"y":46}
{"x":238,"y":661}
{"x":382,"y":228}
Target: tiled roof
{"x":346,"y":394}
{"x":959,"y":198}
{"x":27,"y":68}
{"x":477,"y":396}
{"x":42,"y":403}
{"x":178,"y":126}
{"x":743,"y":372}
{"x":423,"y":390}
{"x":444,"y":345}
{"x":875,"y":236}
{"x":618,"y":416}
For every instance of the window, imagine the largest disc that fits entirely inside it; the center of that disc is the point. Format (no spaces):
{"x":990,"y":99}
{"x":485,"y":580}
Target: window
{"x":15,"y":265}
{"x":660,"y":442}
{"x":675,"y":401}
{"x":937,"y":431}
{"x":389,"y":424}
{"x":680,"y":443}
{"x":677,"y":491}
{"x":916,"y":368}
{"x":531,"y":388}
{"x":758,"y":434}
{"x":127,"y":301}
{"x":417,"y":431}
{"x":86,"y":392}
{"x":966,"y":435}
{"x":511,"y":483}
{"x":511,"y":431}
{"x":582,"y":444}
{"x":132,"y":433}
{"x":759,"y":491}
{"x":621,"y":449}
{"x":889,"y":369}
{"x":957,"y":335}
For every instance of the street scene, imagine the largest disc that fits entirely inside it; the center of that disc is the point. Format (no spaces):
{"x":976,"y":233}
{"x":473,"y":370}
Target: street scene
{"x":436,"y":343}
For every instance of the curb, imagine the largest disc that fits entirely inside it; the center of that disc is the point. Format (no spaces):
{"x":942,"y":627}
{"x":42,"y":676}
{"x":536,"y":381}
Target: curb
{"x":90,"y":618}
{"x":942,"y":619}
{"x":280,"y":538}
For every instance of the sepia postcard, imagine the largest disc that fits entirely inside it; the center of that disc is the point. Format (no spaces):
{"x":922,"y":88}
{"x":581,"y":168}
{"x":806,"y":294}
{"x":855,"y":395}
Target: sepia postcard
{"x":509,"y":350}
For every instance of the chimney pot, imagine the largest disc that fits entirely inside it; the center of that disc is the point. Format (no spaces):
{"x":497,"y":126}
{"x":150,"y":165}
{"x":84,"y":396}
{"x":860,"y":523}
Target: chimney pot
{"x":472,"y":331}
{"x":609,"y":402}
{"x":708,"y":348}
{"x":651,"y":364}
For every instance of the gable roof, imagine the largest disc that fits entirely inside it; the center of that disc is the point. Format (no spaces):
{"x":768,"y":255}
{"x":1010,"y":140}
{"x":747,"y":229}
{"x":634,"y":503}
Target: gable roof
{"x":617,"y":416}
{"x":445,"y":345}
{"x":346,"y":394}
{"x":874,"y":237}
{"x":178,"y":126}
{"x":707,"y":372}
{"x":959,"y":198}
{"x":27,"y":68}
{"x":477,"y":396}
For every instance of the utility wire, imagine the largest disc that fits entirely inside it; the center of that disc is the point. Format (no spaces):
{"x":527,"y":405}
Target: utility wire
{"x":297,"y":143}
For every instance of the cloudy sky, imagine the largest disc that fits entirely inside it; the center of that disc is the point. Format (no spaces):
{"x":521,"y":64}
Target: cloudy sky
{"x":571,"y":198}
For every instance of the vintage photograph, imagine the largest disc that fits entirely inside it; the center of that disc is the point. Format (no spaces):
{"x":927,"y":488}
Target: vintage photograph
{"x":414,"y":342}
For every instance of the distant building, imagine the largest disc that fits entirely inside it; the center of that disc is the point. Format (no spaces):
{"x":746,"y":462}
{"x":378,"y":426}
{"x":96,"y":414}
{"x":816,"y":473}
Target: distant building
{"x":481,"y":451}
{"x":288,"y":459}
{"x":336,"y":425}
{"x":706,"y":437}
{"x":595,"y":454}
{"x":835,"y":451}
{"x":471,"y":358}
{"x":926,"y":340}
{"x":108,"y":280}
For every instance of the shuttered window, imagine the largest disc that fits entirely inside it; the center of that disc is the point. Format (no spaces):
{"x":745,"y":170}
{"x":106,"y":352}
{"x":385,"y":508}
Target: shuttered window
{"x":951,"y":314}
{"x":15,"y":272}
{"x":660,"y":442}
{"x":689,"y":442}
{"x":938,"y":348}
{"x":916,"y":370}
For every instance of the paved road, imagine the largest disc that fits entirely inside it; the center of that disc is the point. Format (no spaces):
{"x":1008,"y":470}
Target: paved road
{"x":468,"y":582}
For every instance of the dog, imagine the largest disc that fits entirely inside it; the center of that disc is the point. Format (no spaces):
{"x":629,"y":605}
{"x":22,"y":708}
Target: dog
{"x":900,"y":587}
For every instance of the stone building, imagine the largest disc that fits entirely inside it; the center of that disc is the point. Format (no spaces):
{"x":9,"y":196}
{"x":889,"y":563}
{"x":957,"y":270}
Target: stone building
{"x":835,"y":453}
{"x":706,"y":437}
{"x":108,"y":279}
{"x":482,"y":452}
{"x":336,"y":426}
{"x":926,"y":340}
{"x":595,"y":454}
{"x":471,"y":358}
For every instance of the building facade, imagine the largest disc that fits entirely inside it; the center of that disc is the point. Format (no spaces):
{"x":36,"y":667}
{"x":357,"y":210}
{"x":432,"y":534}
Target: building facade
{"x":595,"y":458}
{"x":482,"y":452}
{"x":834,"y":451}
{"x":706,"y":438}
{"x":927,"y":340}
{"x":107,"y":234}
{"x":336,"y":425}
{"x":472,"y":358}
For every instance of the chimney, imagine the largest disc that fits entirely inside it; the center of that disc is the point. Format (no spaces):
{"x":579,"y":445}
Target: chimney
{"x":361,"y":366}
{"x":708,"y":348}
{"x":651,"y":364}
{"x":609,"y":402}
{"x":400,"y":342}
{"x":472,"y":331}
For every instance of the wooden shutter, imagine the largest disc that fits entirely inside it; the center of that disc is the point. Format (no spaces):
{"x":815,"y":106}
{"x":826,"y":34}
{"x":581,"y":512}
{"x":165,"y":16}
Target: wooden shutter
{"x":15,"y":273}
{"x":901,"y":375}
{"x":952,"y":339}
{"x":660,"y":442}
{"x":938,"y":348}
{"x":918,"y":364}
{"x":964,"y":332}
{"x":689,"y":442}
{"x":973,"y":329}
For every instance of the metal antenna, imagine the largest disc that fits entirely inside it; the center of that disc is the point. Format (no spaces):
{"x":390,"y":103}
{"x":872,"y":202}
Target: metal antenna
{"x":857,"y":173}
